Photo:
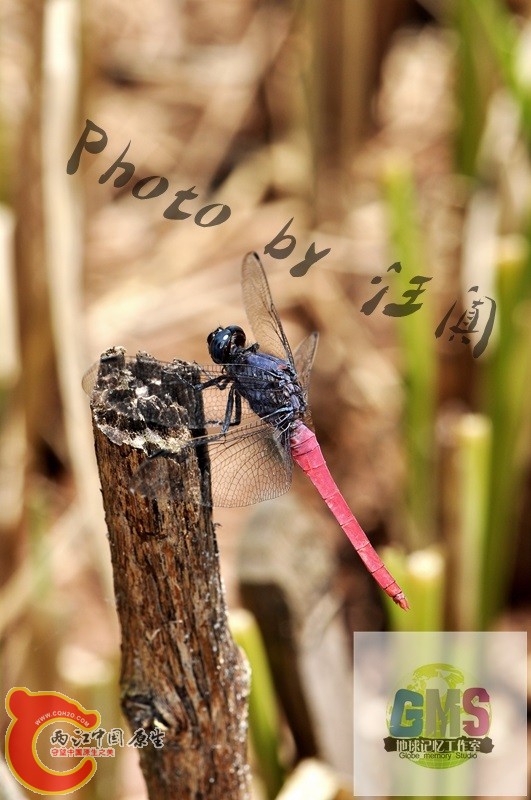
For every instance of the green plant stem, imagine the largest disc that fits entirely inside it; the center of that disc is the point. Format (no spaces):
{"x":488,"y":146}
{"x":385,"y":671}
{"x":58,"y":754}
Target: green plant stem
{"x":416,"y":332}
{"x":421,"y":576}
{"x":473,"y":77}
{"x":263,"y":718}
{"x":497,"y":24}
{"x":471,"y":488}
{"x":507,"y":398}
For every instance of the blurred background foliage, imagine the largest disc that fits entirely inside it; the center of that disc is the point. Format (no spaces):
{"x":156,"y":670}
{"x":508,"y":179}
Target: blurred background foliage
{"x":389,"y":132}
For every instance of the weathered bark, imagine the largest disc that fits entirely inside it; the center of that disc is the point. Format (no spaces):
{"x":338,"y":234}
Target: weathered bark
{"x":181,"y":671}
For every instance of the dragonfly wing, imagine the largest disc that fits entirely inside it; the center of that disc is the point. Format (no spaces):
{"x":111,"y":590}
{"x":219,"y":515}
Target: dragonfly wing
{"x":249,"y":466}
{"x":303,"y":358}
{"x":90,"y":378}
{"x":151,"y":478}
{"x":260,"y":309}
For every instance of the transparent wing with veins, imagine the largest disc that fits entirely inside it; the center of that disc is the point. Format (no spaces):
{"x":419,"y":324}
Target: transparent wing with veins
{"x":266,"y":325}
{"x":261,"y":312}
{"x":303,"y":358}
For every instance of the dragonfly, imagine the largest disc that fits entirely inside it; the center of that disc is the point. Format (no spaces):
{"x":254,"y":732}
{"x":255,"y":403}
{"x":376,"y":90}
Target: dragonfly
{"x":254,"y":398}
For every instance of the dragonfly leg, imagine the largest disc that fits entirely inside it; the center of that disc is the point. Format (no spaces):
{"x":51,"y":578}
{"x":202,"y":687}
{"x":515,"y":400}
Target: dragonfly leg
{"x":280,"y":417}
{"x":221,"y":381}
{"x":237,"y":408}
{"x":234,"y":402}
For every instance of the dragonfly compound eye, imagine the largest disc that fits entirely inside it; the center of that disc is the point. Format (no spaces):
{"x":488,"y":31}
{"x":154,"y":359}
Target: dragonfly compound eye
{"x":237,"y":335}
{"x":211,"y":335}
{"x":223,"y":341}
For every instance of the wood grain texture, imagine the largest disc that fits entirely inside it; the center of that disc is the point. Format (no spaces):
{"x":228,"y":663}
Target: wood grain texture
{"x":181,"y":671}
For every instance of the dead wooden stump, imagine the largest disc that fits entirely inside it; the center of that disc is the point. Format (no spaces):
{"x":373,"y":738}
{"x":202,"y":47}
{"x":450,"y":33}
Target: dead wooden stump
{"x":181,"y":671}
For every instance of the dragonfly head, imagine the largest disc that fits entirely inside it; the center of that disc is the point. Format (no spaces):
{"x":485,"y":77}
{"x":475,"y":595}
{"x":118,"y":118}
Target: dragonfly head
{"x":223,"y":343}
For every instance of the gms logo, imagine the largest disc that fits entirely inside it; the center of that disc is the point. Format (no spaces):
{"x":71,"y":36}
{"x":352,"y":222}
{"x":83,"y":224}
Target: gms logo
{"x":438,"y":718}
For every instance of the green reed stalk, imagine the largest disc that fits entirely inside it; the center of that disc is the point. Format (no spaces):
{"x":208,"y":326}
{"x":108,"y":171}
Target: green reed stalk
{"x":470,"y":492}
{"x":473,"y":76}
{"x":507,"y":398}
{"x":421,"y":576}
{"x":416,"y":332}
{"x":502,"y":36}
{"x":263,"y":718}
